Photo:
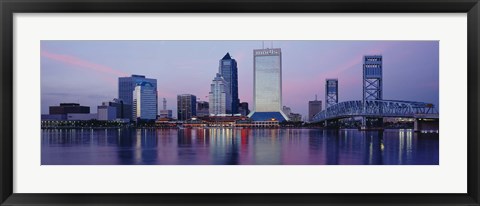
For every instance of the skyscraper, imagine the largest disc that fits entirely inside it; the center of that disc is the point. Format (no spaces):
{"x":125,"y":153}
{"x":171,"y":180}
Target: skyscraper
{"x":218,"y":97}
{"x":186,"y":106}
{"x":145,"y":101}
{"x":314,"y":107}
{"x":126,"y":85}
{"x":267,"y":85}
{"x":331,"y":92}
{"x":229,"y":71}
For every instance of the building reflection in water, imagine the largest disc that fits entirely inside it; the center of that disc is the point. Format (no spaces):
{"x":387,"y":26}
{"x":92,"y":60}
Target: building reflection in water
{"x":235,"y":146}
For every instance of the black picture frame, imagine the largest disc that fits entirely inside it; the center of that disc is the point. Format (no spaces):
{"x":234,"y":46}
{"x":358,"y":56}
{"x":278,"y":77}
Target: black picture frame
{"x":10,"y":7}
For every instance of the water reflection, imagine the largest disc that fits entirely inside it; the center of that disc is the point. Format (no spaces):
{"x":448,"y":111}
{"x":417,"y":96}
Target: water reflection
{"x":227,"y":146}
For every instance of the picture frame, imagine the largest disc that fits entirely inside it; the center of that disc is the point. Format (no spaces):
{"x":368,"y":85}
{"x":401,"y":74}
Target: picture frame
{"x":10,"y":7}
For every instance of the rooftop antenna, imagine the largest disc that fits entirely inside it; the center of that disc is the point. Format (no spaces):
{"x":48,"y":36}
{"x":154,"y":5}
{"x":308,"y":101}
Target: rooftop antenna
{"x":164,"y":104}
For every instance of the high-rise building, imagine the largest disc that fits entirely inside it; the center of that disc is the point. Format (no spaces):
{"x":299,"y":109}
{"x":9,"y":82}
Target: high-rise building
{"x":126,"y":85}
{"x":218,"y":97}
{"x":166,"y":113}
{"x":314,"y":107}
{"x":186,"y":106}
{"x":229,"y":71}
{"x":203,"y":109}
{"x":69,"y":108}
{"x":145,"y":101}
{"x":331,"y":92}
{"x":267,"y":85}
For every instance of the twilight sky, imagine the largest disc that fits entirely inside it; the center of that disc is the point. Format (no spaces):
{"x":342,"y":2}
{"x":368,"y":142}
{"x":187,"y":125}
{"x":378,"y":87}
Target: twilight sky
{"x":87,"y":72}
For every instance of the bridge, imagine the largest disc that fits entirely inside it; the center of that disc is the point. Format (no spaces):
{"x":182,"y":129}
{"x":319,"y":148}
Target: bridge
{"x":376,"y":109}
{"x":372,"y":108}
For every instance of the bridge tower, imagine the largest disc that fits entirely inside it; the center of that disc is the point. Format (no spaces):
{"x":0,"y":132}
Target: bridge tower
{"x":331,"y":92}
{"x":372,"y":85}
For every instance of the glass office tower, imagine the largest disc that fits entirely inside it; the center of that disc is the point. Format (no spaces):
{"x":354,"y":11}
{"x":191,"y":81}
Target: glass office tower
{"x":267,"y":85}
{"x":126,"y":85}
{"x":229,"y":71}
{"x":145,"y":101}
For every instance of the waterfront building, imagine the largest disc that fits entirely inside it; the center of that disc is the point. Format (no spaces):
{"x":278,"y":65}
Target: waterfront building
{"x":123,"y":111}
{"x":186,"y":106}
{"x":69,"y":108}
{"x":81,"y":116}
{"x":145,"y":101}
{"x":287,"y":110}
{"x":314,"y":107}
{"x":229,"y":71}
{"x":166,"y":113}
{"x":126,"y":86}
{"x":267,"y":85}
{"x":295,"y":117}
{"x":106,"y":112}
{"x":331,"y":92}
{"x":243,"y":109}
{"x":203,"y":109}
{"x":218,"y":97}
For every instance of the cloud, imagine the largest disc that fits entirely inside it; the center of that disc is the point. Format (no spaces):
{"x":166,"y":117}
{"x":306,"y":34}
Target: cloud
{"x":71,"y":60}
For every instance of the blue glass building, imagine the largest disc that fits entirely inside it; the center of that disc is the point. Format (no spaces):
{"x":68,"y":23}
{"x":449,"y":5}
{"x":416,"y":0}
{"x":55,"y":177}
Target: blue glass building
{"x":229,"y":71}
{"x":126,"y":86}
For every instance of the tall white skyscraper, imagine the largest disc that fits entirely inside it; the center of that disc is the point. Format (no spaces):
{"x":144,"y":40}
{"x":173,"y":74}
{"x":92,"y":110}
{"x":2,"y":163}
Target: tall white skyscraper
{"x":267,"y":85}
{"x":145,"y":101}
{"x":218,"y":100}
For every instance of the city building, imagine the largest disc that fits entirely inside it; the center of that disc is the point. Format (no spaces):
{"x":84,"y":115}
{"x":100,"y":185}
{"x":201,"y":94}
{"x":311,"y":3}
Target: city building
{"x":295,"y":117}
{"x":106,"y":112}
{"x":166,"y":113}
{"x":186,"y":106}
{"x":145,"y":101}
{"x":126,"y":85}
{"x":331,"y":92}
{"x":69,"y":108}
{"x":267,"y":85}
{"x":314,"y":107}
{"x":81,"y":116}
{"x":203,"y":109}
{"x":123,"y":111}
{"x":243,"y":109}
{"x":229,"y":71}
{"x":218,"y":97}
{"x":287,"y":110}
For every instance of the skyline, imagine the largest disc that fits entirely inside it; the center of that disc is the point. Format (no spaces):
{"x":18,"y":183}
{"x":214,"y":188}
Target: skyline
{"x":87,"y":72}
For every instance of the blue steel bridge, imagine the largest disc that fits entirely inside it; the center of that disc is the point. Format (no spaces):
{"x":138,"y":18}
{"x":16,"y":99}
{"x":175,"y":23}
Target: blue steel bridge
{"x":377,"y":109}
{"x":372,"y":108}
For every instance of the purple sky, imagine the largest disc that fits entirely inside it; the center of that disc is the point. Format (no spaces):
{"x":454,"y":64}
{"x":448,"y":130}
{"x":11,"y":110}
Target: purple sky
{"x":87,"y":71}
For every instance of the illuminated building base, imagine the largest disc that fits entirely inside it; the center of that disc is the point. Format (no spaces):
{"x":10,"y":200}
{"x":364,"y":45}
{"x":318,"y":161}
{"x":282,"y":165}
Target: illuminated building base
{"x":268,"y":116}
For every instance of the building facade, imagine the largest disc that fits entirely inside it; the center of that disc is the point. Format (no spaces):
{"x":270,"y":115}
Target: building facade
{"x":106,"y":112}
{"x":243,"y":109}
{"x":186,"y":106}
{"x":203,"y":109}
{"x":69,"y":108}
{"x":218,"y":97}
{"x":229,"y":71}
{"x":126,"y":86}
{"x":164,"y":112}
{"x":314,"y":107}
{"x":267,"y":85}
{"x":145,"y":101}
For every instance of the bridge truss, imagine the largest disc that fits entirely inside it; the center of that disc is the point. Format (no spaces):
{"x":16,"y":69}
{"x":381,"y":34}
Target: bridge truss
{"x":375,"y":109}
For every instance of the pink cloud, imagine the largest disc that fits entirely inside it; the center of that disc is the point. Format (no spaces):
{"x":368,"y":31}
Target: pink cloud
{"x":71,"y":60}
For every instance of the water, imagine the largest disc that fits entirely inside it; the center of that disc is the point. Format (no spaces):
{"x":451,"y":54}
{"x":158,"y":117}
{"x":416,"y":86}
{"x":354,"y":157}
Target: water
{"x":237,"y":147}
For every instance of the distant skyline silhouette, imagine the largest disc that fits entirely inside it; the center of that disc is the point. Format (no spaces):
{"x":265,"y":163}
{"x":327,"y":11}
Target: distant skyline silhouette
{"x":87,"y":72}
